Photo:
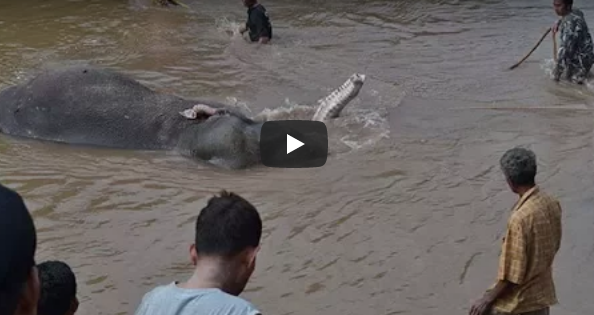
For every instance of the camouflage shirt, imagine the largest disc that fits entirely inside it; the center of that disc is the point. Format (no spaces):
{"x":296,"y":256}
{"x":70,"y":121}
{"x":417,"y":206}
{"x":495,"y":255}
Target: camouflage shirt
{"x":576,"y":52}
{"x":578,"y":12}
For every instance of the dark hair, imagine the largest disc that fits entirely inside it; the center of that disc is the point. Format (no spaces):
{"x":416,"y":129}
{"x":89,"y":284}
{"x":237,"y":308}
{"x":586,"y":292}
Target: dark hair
{"x":58,"y":288}
{"x":568,"y":3}
{"x":18,"y":242}
{"x":519,"y":166}
{"x":227,"y":225}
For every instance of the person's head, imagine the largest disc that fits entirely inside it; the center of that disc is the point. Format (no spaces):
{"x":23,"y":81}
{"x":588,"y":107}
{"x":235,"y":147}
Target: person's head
{"x":562,"y":7}
{"x":19,"y":282}
{"x":58,"y":289}
{"x":519,"y":167}
{"x":249,"y":3}
{"x":228,"y":232}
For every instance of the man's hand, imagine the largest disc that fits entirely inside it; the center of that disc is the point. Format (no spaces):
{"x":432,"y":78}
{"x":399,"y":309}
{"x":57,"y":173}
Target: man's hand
{"x":242,"y":29}
{"x":481,"y":306}
{"x":264,"y":40}
{"x":555,"y":27}
{"x":484,"y":304}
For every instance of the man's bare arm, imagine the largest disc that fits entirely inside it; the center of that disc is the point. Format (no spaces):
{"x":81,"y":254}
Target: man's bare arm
{"x":501,"y":288}
{"x":482,"y":306}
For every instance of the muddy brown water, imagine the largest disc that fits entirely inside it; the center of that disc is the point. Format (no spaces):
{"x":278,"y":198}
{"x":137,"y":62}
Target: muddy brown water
{"x":407,"y":215}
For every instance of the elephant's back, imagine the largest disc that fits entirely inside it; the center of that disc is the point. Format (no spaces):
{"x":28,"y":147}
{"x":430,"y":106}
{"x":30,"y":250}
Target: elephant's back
{"x":88,"y":105}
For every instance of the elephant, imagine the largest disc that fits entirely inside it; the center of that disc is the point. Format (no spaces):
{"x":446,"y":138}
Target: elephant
{"x":96,"y":106}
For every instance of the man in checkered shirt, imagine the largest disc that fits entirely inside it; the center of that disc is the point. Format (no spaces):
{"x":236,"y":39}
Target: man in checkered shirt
{"x":525,"y":281}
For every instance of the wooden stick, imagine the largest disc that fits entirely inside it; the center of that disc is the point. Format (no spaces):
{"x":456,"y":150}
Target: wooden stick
{"x":531,"y":51}
{"x":554,"y":47}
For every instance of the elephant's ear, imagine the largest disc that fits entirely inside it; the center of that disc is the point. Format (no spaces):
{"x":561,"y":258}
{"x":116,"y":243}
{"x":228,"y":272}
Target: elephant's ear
{"x":190,"y":113}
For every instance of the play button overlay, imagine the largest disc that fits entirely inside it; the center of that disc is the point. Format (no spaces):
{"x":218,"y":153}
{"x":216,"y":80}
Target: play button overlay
{"x":294,"y":143}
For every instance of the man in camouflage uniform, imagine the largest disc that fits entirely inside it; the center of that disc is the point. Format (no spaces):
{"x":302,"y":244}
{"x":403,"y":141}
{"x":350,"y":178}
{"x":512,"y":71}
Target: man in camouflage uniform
{"x":576,"y":51}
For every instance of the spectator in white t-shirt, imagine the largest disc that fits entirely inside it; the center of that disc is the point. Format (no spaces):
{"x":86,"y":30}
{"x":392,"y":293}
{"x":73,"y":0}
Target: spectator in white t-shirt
{"x":228,"y":232}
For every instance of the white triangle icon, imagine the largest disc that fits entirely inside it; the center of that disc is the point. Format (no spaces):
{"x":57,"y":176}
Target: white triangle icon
{"x":293,"y":144}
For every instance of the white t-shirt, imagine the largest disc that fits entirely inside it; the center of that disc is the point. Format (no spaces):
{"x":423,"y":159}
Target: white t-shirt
{"x":173,"y":300}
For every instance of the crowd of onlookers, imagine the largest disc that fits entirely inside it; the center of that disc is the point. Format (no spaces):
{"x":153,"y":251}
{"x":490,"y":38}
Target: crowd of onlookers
{"x":227,"y":240}
{"x":228,"y":232}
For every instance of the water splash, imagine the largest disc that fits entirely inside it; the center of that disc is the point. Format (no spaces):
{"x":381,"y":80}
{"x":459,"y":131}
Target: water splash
{"x":547,"y":66}
{"x":239,"y":105}
{"x":364,"y":128}
{"x":291,"y":111}
{"x":359,"y":128}
{"x":229,"y":27}
{"x":360,"y":144}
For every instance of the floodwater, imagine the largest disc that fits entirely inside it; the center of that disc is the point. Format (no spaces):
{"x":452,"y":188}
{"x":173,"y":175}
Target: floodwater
{"x":407,"y":215}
